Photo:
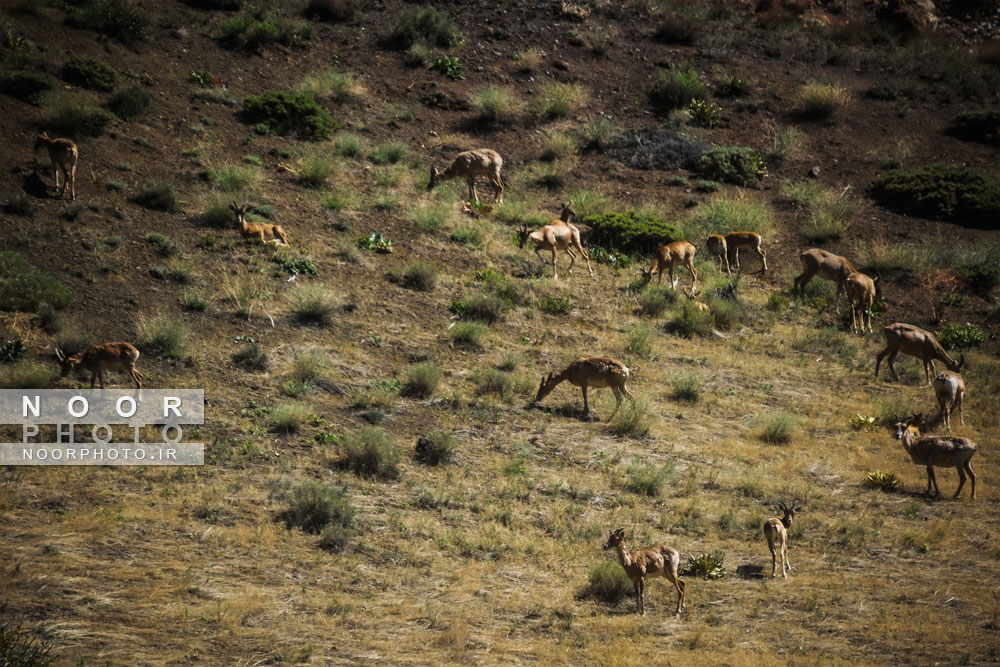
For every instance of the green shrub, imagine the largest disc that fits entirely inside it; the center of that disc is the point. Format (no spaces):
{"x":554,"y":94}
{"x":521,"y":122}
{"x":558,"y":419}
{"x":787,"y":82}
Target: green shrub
{"x":596,"y":134}
{"x":11,"y":350}
{"x":816,"y":101}
{"x":315,"y":304}
{"x":129,"y":103}
{"x":375,"y":242}
{"x":27,"y":374}
{"x":257,"y":29}
{"x":391,"y":153}
{"x":640,"y":341}
{"x":633,"y":232}
{"x":961,"y":336}
{"x":654,"y":300}
{"x":646,"y":479}
{"x":725,"y":313}
{"x":421,"y":380}
{"x":90,"y":73}
{"x":690,"y":321}
{"x":164,"y":336}
{"x":470,"y":235}
{"x":677,"y":89}
{"x":251,"y":357}
{"x":164,"y":246}
{"x":778,"y":428}
{"x":450,"y":66}
{"x":735,"y":86}
{"x":437,"y":448}
{"x":314,"y":505}
{"x":706,"y":566}
{"x":348,"y":145}
{"x":556,"y":147}
{"x":24,"y":287}
{"x":882,"y":481}
{"x":370,"y":452}
{"x":19,"y":205}
{"x":233,"y":178}
{"x":74,"y":115}
{"x":118,"y":19}
{"x":419,"y":276}
{"x":308,"y":366}
{"x":941,"y":192}
{"x":685,"y":388}
{"x":607,"y":583}
{"x":983,"y":276}
{"x":495,"y":105}
{"x":738,"y":165}
{"x":425,"y":25}
{"x":559,"y":100}
{"x":316,"y":170}
{"x":555,"y":305}
{"x":493,"y":381}
{"x":727,"y":213}
{"x":288,"y":417}
{"x":157,"y":195}
{"x":634,"y":418}
{"x":19,"y":649}
{"x":332,"y":11}
{"x":26,"y":86}
{"x":704,"y":113}
{"x":482,"y":307}
{"x":982,"y":126}
{"x":283,"y":112}
{"x":468,"y":334}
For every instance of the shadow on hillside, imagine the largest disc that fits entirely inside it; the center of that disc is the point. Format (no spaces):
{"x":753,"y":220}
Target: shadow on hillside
{"x":32,"y":184}
{"x":750,"y":571}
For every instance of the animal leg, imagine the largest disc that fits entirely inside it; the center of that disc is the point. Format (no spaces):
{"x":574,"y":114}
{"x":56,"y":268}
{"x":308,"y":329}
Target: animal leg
{"x":670,"y":270}
{"x":927,"y":373}
{"x":878,"y":359}
{"x":555,"y":273}
{"x":642,"y":596}
{"x":932,"y":479}
{"x":93,"y":379}
{"x":55,"y":174}
{"x":572,"y":260}
{"x":682,"y":587}
{"x":694,"y":275}
{"x":961,"y":481}
{"x":892,"y":365}
{"x":774,"y":560}
{"x":638,"y":596}
{"x":784,"y":551}
{"x":586,"y":406}
{"x":961,"y":411}
{"x":972,"y":476}
{"x":72,"y":180}
{"x":763,"y":259}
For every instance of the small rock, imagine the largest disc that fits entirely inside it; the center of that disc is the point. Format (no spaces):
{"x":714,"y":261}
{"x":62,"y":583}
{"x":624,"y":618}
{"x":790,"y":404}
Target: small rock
{"x":180,"y":33}
{"x":433,"y":133}
{"x":561,"y":64}
{"x":814,"y":172}
{"x":690,"y":203}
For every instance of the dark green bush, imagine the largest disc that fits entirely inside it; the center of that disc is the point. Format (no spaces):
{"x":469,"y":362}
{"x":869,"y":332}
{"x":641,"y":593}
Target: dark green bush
{"x":655,"y":299}
{"x":982,"y":276}
{"x":941,"y":192}
{"x":129,"y":103}
{"x":90,"y":73}
{"x":158,"y":196}
{"x":419,"y":276}
{"x":738,"y":165}
{"x":19,"y":205}
{"x":421,"y":380}
{"x":74,"y":115}
{"x":26,"y":86}
{"x":482,"y":307}
{"x":424,"y":25}
{"x":982,"y":126}
{"x":251,"y":357}
{"x":23,"y":286}
{"x":313,"y":506}
{"x":283,"y":113}
{"x":631,"y":232}
{"x":11,"y":350}
{"x":677,"y":89}
{"x":332,"y":11}
{"x":118,"y":19}
{"x":690,"y":321}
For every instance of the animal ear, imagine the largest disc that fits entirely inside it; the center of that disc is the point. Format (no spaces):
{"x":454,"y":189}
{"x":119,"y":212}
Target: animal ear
{"x":961,"y":361}
{"x":234,"y":207}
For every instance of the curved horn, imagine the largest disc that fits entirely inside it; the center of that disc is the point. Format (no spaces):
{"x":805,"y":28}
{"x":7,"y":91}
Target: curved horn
{"x":60,"y":355}
{"x":961,"y":360}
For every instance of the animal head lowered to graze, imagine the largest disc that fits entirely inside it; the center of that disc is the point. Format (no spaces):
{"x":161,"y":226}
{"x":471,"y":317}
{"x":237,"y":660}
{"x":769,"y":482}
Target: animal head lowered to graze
{"x":100,"y":358}
{"x":469,"y":165}
{"x":669,"y":255}
{"x":916,"y":342}
{"x":588,"y":372}
{"x":558,"y":235}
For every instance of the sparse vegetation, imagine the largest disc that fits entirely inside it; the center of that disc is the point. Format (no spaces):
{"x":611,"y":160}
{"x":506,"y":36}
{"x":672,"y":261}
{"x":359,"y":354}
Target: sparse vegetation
{"x":157,"y":195}
{"x":288,"y":417}
{"x":608,"y":583}
{"x":941,"y":192}
{"x":421,"y":380}
{"x":30,"y":87}
{"x":738,"y":165}
{"x":495,"y":105}
{"x":74,"y":115}
{"x":677,"y":89}
{"x":778,"y":428}
{"x":24,"y":287}
{"x":90,"y":73}
{"x":118,"y":19}
{"x":655,"y":300}
{"x":982,"y":126}
{"x":163,"y":336}
{"x":426,"y":25}
{"x":370,"y":452}
{"x":332,"y":11}
{"x":315,"y":304}
{"x":818,"y":101}
{"x":130,"y":103}
{"x":558,"y":100}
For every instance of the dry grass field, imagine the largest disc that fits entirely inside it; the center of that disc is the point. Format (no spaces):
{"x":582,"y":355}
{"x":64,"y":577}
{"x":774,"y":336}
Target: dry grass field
{"x":318,"y":531}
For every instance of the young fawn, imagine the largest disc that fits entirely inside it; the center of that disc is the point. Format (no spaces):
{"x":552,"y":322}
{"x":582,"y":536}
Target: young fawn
{"x":63,"y":154}
{"x":776,"y":532}
{"x":647,"y":562}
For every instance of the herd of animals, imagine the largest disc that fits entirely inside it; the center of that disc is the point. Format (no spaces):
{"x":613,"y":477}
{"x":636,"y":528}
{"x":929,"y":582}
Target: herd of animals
{"x":596,"y":372}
